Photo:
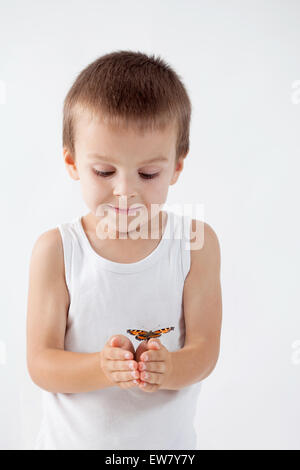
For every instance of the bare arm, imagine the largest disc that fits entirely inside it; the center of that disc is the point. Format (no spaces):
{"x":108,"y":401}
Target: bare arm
{"x":49,"y":365}
{"x":202,"y":297}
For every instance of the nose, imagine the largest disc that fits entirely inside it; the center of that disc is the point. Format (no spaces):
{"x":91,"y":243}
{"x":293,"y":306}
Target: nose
{"x":124,"y":188}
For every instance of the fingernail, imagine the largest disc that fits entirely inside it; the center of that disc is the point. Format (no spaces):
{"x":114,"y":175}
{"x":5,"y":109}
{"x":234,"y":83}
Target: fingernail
{"x":128,"y":355}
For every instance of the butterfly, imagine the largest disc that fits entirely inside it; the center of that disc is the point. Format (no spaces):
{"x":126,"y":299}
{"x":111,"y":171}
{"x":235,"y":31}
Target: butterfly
{"x":141,"y":335}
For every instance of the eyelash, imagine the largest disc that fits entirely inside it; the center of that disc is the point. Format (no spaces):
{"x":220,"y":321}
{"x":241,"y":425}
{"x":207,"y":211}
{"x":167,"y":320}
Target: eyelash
{"x":145,"y":176}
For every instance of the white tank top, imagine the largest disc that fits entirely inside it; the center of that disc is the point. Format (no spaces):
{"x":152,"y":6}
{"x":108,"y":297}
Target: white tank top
{"x":107,"y":298}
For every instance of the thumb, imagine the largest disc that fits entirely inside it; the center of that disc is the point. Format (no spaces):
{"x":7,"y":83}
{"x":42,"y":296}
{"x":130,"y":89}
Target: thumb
{"x":120,"y":341}
{"x":154,"y":344}
{"x":116,"y":341}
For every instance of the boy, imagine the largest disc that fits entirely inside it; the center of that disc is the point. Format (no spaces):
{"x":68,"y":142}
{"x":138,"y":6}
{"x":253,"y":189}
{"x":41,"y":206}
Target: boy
{"x":93,"y":281}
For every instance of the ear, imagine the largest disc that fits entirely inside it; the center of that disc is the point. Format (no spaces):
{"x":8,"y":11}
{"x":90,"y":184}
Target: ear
{"x":70,"y":164}
{"x":178,"y":169}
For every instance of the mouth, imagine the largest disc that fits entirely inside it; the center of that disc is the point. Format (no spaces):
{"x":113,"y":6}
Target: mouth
{"x":132,"y":210}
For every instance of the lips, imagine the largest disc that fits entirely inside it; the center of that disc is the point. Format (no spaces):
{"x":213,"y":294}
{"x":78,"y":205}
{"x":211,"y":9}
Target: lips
{"x":125,"y":211}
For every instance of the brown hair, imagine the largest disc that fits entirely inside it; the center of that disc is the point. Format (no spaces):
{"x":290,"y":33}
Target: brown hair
{"x":129,"y":88}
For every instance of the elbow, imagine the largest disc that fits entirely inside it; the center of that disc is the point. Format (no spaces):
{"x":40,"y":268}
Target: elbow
{"x":33,"y":370}
{"x":214,"y":362}
{"x":211,"y":360}
{"x":37,"y":371}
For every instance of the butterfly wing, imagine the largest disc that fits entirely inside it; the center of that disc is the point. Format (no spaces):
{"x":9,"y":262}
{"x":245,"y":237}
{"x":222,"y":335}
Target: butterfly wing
{"x":157,"y":333}
{"x":137,"y":332}
{"x":140,"y":335}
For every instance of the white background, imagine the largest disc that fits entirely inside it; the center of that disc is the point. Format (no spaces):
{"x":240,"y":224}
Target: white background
{"x":240,"y":63}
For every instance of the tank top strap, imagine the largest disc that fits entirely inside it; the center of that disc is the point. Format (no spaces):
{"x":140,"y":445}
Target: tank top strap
{"x":186,"y":221}
{"x":68,"y":237}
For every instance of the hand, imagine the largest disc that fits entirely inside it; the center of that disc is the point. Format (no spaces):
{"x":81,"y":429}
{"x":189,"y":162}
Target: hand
{"x":155,"y":360}
{"x":118,"y":369}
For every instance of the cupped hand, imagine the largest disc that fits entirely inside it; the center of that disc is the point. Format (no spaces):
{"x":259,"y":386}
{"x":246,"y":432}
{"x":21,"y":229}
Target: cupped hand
{"x":154,"y":363}
{"x":118,"y":368}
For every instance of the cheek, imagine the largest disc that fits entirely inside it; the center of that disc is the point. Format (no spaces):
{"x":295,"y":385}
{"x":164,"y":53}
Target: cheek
{"x":158,"y":190}
{"x":152,"y":194}
{"x":92,"y":191}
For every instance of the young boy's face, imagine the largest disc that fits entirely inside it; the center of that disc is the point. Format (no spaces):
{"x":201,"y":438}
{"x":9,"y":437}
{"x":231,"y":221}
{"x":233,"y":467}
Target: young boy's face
{"x":125,"y":154}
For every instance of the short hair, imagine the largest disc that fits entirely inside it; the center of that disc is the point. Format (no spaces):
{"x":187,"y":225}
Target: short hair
{"x":127,"y":88}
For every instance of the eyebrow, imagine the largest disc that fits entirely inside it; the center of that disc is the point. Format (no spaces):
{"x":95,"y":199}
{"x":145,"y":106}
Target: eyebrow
{"x":109,"y":159}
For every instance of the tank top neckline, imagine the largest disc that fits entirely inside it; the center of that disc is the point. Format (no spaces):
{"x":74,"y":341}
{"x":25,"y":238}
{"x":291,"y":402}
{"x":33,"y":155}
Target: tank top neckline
{"x":137,"y":266}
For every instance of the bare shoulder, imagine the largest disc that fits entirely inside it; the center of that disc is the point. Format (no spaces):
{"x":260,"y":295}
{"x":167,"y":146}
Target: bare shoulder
{"x":48,"y":296}
{"x":50,"y":239}
{"x":204,"y":246}
{"x":48,"y":249}
{"x":47,"y":258}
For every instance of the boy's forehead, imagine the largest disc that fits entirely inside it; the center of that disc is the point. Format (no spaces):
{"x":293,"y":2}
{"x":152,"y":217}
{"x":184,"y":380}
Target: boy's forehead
{"x":94,"y":135}
{"x":87,"y":120}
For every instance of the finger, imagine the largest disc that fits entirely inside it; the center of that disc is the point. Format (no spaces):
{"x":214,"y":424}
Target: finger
{"x":152,"y":377}
{"x":154,"y":343}
{"x":153,"y":355}
{"x":158,"y":366}
{"x":117,"y":353}
{"x":128,"y":384}
{"x":114,"y":365}
{"x":121,"y":341}
{"x":120,"y":376}
{"x":113,"y":341}
{"x":148,"y":388}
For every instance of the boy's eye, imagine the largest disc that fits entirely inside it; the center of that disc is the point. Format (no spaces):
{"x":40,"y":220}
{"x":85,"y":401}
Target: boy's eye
{"x":105,"y":174}
{"x":148,"y":176}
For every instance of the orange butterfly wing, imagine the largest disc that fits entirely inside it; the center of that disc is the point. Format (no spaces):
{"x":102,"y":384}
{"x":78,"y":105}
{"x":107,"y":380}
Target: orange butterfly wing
{"x":137,"y":332}
{"x":142,"y":334}
{"x":157,"y":333}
